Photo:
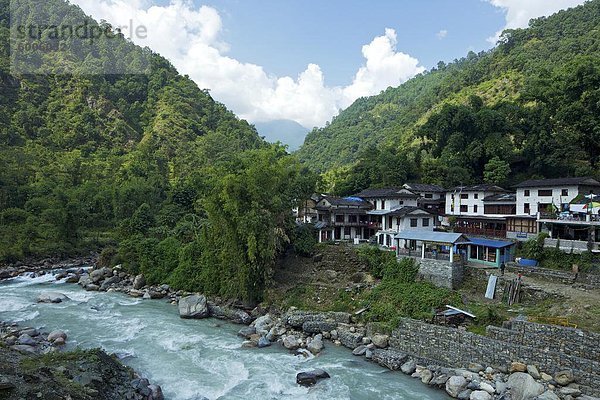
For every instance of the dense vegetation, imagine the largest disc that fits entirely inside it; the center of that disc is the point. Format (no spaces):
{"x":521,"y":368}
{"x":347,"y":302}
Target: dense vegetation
{"x":528,"y":108}
{"x":147,"y":166}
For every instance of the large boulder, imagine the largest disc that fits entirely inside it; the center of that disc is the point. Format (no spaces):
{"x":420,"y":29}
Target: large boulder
{"x":263,"y":324}
{"x":480,"y":395}
{"x":548,"y":395}
{"x":310,"y":378}
{"x":98,"y":275}
{"x":455,"y":385}
{"x":565,"y":377}
{"x":51,"y":297}
{"x":523,"y":386}
{"x":290,"y":342}
{"x":139,"y":282}
{"x":380,"y":341}
{"x":58,"y":334}
{"x":316,"y":344}
{"x":25,"y":339}
{"x":193,"y":306}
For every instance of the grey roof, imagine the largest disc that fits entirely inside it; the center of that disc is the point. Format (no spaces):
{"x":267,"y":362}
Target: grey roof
{"x":431,"y":236}
{"x":347,"y":201}
{"x":483,"y":187}
{"x":502,"y":198}
{"x":579,"y":181}
{"x":406,"y":210}
{"x":390,"y":192}
{"x":424,"y":187}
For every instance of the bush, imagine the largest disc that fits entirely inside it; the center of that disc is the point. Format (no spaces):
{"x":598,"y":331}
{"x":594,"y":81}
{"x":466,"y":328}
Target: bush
{"x":305,"y":240}
{"x":376,"y":259}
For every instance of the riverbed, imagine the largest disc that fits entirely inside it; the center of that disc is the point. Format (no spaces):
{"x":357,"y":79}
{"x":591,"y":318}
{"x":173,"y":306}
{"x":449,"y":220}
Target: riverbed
{"x":195,"y":358}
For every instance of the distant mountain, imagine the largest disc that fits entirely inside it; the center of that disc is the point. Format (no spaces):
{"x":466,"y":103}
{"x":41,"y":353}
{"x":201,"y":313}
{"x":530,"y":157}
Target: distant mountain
{"x":283,"y":130}
{"x":528,"y":107}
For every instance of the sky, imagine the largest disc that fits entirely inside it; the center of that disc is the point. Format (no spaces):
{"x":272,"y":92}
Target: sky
{"x":305,"y":60}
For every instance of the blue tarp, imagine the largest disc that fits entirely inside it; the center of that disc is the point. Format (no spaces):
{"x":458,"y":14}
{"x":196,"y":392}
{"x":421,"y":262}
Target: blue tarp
{"x":495,"y":244}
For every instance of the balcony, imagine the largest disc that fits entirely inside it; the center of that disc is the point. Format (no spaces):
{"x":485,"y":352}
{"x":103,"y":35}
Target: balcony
{"x":354,"y":223}
{"x":470,"y":230}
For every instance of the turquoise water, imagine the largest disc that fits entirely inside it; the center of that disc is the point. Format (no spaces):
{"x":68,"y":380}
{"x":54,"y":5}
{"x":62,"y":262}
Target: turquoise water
{"x":193,"y":358}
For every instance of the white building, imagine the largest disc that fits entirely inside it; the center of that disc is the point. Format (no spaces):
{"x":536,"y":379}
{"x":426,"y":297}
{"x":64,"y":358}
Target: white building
{"x":394,"y":210}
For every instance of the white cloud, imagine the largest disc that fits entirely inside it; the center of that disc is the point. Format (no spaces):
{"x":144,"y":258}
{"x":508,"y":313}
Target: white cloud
{"x":189,"y":37}
{"x":441,"y":34}
{"x":519,"y":12}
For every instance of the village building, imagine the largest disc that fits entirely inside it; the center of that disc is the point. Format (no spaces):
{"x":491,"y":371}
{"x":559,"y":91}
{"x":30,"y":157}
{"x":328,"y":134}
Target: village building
{"x":564,"y":208}
{"x":479,"y":210}
{"x":343,"y":218}
{"x":432,"y":197}
{"x":394,"y":210}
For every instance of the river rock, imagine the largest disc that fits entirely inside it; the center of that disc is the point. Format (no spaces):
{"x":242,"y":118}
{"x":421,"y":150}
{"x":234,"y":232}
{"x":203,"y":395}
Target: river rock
{"x":380,"y":341}
{"x":51,"y":297}
{"x":464,"y":395}
{"x":263,"y":342}
{"x":24,"y":348}
{"x":548,"y":395}
{"x":517,"y":367}
{"x":98,"y":275}
{"x":360,"y":350}
{"x":408,"y":367}
{"x":316,"y":345}
{"x":318,"y":326}
{"x":73,"y":278}
{"x":26,"y":340}
{"x":139,"y":282}
{"x":348,"y":338}
{"x":565,"y":377}
{"x":193,"y":306}
{"x":30,"y":331}
{"x":523,"y":386}
{"x":487,"y":387}
{"x":310,"y":378}
{"x":108,"y":282}
{"x":156,"y":392}
{"x":290,"y":342}
{"x":246,"y":332}
{"x":52,"y":336}
{"x":455,"y":385}
{"x":263,"y":324}
{"x":426,"y":376}
{"x":569,"y":391}
{"x":480,"y":395}
{"x":92,"y":287}
{"x":533,"y":371}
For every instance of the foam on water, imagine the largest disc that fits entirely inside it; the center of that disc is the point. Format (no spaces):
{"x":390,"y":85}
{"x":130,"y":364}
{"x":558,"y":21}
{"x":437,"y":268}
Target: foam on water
{"x":195,"y":358}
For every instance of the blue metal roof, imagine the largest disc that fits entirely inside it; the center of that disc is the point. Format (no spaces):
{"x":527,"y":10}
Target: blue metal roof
{"x":431,"y":236}
{"x":495,"y":244}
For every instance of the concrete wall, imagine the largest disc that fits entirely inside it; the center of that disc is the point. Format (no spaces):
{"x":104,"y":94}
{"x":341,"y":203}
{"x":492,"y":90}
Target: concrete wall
{"x":456,"y":348}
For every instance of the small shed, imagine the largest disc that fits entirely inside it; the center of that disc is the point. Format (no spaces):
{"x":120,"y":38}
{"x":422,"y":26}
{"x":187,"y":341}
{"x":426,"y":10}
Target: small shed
{"x":430,"y":244}
{"x":489,"y":252}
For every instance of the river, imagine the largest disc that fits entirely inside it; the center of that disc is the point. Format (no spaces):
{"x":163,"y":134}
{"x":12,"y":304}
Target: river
{"x":195,"y":358}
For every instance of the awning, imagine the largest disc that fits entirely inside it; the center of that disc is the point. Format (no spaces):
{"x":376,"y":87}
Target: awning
{"x":431,"y":236}
{"x":495,"y":244}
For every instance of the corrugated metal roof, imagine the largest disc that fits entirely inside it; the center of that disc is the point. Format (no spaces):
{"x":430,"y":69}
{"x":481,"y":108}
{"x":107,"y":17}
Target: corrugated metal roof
{"x":496,"y":244}
{"x":430,"y":236}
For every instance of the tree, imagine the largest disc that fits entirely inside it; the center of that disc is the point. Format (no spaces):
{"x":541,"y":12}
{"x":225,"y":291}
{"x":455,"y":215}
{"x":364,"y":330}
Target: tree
{"x":496,"y":171}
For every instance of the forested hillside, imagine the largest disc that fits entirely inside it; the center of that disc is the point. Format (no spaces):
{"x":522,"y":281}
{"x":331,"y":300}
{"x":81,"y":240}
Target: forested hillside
{"x":147,"y":166}
{"x":529,"y":107}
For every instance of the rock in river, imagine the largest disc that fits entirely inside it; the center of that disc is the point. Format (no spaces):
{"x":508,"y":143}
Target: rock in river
{"x":51,"y":297}
{"x":310,"y":378}
{"x":193,"y":306}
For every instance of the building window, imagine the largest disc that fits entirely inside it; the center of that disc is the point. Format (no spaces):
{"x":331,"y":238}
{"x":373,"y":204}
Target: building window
{"x":526,"y":193}
{"x":425,"y":221}
{"x":545,"y":193}
{"x":339,"y":218}
{"x":464,"y":208}
{"x":564,"y":192}
{"x":476,"y":196}
{"x":428,"y":196}
{"x":475,"y":208}
{"x":526,"y":208}
{"x":521,"y":225}
{"x":383,"y":204}
{"x":346,"y":231}
{"x":414,"y":222}
{"x":353,"y":218}
{"x":401,"y":202}
{"x":464,"y":196}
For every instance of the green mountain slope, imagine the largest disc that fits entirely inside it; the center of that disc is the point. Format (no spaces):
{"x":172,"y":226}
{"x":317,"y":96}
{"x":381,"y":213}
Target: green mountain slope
{"x":147,"y":166}
{"x":526,"y":80}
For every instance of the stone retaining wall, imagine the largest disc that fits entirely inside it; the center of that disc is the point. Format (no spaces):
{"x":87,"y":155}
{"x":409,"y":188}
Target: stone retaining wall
{"x":440,"y":272}
{"x":456,"y":348}
{"x":591,"y":280}
{"x":570,"y":341}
